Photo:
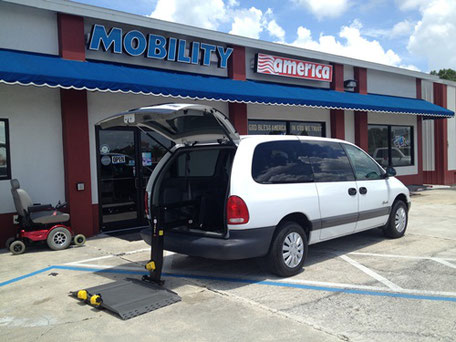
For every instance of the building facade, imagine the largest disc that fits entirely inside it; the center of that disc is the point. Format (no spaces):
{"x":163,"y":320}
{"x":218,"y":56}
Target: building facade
{"x":65,"y":66}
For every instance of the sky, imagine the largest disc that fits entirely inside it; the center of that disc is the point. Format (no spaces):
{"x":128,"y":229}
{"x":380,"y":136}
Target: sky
{"x":414,"y":34}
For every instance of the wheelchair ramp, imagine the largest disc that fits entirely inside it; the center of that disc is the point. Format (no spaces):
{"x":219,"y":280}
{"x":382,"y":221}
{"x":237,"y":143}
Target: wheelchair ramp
{"x":129,"y":298}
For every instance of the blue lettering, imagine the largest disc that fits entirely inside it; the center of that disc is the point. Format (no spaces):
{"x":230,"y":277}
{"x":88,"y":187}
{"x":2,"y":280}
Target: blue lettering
{"x":181,"y":52}
{"x":157,"y":47}
{"x":207,"y":51}
{"x":224,"y":55}
{"x":172,"y":49}
{"x":195,"y":52}
{"x":100,"y":37}
{"x":134,"y":43}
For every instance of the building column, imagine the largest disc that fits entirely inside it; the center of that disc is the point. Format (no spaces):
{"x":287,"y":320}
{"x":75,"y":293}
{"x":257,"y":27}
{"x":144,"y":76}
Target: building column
{"x":419,"y":136}
{"x":236,"y":71}
{"x":442,"y":176}
{"x":75,"y":131}
{"x":361,"y":132}
{"x":337,"y":116}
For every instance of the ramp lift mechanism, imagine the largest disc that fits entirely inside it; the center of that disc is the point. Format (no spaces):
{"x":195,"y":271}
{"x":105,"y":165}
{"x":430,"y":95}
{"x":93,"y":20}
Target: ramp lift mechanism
{"x":132,"y":297}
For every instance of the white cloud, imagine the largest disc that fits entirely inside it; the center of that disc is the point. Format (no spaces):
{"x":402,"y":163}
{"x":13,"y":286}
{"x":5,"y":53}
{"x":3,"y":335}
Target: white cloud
{"x":351,"y":44}
{"x":406,"y":5}
{"x":434,"y":35}
{"x":211,"y":14}
{"x":251,"y":22}
{"x":248,"y":23}
{"x":402,"y":28}
{"x":275,"y":30}
{"x":201,"y":13}
{"x":325,"y":8}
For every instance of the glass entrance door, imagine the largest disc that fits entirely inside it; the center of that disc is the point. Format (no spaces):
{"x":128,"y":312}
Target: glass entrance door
{"x":126,"y":159}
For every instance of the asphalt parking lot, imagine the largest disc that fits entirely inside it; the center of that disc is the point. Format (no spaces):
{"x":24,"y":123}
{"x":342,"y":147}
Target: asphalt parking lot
{"x":362,"y":287}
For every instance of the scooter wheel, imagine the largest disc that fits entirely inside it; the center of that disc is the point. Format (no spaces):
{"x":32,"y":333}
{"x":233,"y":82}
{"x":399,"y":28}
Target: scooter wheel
{"x":79,"y":240}
{"x":8,"y":242}
{"x":59,"y":238}
{"x":17,"y":247}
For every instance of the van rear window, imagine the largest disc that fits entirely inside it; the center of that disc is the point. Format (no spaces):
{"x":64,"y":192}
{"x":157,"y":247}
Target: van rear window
{"x":196,"y":163}
{"x":281,"y":162}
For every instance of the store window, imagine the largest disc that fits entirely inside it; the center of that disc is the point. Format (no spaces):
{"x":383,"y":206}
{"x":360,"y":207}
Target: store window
{"x":5,"y":168}
{"x":391,"y":145}
{"x":279,"y":127}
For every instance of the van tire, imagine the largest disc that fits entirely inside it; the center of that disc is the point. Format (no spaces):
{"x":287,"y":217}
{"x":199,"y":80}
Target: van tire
{"x":397,"y":222}
{"x":287,"y":232}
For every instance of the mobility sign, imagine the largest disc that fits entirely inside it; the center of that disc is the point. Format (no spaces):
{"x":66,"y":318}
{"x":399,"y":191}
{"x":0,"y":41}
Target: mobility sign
{"x":154,"y":46}
{"x":282,"y":66}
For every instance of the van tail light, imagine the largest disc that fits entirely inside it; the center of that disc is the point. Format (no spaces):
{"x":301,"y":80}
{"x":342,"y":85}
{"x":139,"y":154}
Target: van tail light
{"x":146,"y":203}
{"x":236,"y":211}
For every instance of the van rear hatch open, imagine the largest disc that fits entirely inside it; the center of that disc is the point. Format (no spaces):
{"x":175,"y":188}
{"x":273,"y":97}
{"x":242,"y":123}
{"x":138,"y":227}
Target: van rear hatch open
{"x":189,"y":191}
{"x":186,"y":124}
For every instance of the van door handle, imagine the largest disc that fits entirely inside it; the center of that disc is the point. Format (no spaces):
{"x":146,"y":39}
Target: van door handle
{"x":352,"y":191}
{"x":363,"y":190}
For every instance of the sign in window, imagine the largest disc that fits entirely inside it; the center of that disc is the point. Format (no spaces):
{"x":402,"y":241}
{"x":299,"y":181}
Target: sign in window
{"x":276,"y":127}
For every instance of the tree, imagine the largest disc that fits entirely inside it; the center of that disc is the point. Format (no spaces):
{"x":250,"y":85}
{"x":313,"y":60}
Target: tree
{"x":446,"y":74}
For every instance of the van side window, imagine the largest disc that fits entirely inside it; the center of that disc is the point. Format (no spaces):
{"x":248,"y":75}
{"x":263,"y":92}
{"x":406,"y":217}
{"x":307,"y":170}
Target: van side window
{"x":329,"y":161}
{"x":365,"y":167}
{"x":281,"y":162}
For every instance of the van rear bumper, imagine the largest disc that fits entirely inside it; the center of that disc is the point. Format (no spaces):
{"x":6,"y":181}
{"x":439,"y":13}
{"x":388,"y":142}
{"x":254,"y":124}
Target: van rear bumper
{"x":249,"y":243}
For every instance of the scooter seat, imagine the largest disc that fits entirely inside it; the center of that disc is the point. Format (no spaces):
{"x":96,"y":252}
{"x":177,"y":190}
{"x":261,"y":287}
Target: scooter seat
{"x":49,"y":216}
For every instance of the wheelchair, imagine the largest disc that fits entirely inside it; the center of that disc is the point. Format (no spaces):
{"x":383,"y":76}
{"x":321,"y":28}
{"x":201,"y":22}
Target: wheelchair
{"x":38,"y":222}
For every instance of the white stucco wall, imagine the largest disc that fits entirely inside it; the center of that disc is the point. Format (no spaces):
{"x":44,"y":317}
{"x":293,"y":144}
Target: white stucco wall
{"x":451,"y":104}
{"x":270,"y":112}
{"x":350,"y":126}
{"x":399,"y":119}
{"x":28,"y":29}
{"x":35,"y":144}
{"x":386,"y":83}
{"x":102,"y":105}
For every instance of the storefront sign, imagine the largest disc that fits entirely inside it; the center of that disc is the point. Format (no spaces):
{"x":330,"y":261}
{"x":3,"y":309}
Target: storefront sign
{"x":282,"y":66}
{"x":135,"y":43}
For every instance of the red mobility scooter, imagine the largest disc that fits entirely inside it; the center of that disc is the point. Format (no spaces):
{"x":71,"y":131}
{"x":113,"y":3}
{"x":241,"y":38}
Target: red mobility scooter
{"x":39,"y":222}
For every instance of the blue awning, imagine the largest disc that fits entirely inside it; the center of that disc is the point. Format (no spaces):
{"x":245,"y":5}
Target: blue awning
{"x":52,"y":71}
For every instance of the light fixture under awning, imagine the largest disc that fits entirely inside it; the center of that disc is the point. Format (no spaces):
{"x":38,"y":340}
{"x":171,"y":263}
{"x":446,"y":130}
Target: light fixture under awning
{"x":43,"y":70}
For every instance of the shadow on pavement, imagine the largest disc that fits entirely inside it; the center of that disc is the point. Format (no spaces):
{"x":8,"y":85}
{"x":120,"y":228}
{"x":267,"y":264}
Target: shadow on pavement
{"x":226,"y":275}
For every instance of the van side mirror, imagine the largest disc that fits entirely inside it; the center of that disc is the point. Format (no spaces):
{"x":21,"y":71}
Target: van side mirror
{"x":390,"y":171}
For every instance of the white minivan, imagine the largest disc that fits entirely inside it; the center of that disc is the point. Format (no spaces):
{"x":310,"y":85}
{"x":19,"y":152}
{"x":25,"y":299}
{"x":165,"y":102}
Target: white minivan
{"x":222,"y":196}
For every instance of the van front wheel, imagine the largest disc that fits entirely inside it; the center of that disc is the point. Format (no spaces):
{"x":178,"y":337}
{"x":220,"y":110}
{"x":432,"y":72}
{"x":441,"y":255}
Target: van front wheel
{"x":288,"y":250}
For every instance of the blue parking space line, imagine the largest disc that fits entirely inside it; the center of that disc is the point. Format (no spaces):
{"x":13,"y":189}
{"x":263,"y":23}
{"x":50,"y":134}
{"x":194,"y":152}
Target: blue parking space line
{"x":26,"y":276}
{"x":240,"y":280}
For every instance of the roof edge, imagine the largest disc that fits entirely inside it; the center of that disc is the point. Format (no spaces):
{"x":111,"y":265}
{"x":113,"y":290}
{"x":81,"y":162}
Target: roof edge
{"x":75,"y":8}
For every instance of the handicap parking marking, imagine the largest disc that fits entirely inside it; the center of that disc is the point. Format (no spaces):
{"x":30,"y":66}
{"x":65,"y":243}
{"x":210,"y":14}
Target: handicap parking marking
{"x":403,"y":293}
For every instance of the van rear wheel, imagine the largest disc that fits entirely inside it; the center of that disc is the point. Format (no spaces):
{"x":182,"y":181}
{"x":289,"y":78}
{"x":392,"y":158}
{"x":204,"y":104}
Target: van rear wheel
{"x":288,"y":250}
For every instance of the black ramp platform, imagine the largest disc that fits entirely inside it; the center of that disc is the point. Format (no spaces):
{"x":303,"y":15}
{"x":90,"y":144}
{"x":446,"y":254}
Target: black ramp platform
{"x":132,"y":297}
